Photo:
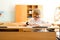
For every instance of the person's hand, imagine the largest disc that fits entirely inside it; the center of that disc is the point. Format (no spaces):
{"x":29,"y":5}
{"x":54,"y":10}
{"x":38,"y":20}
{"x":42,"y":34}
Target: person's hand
{"x":34,"y":25}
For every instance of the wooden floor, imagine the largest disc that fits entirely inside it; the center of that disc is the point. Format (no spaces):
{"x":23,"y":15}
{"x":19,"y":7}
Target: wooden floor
{"x":27,"y":36}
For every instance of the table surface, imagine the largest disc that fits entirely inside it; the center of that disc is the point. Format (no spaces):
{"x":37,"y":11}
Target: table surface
{"x":26,"y":27}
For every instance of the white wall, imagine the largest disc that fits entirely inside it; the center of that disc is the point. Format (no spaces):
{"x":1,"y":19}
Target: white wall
{"x":8,"y":6}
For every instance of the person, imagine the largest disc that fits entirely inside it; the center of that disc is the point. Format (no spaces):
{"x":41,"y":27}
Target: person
{"x":36,"y":20}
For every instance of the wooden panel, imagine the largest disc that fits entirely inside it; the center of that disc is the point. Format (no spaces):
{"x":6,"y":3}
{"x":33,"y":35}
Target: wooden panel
{"x":21,"y":13}
{"x":27,"y":36}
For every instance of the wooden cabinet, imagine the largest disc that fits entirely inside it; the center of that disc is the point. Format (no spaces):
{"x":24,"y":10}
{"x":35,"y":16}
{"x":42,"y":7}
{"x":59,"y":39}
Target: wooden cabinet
{"x":21,"y":13}
{"x":24,"y":12}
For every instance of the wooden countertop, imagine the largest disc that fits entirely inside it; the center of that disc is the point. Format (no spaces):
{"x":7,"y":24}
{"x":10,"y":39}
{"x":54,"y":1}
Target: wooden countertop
{"x":27,"y":36}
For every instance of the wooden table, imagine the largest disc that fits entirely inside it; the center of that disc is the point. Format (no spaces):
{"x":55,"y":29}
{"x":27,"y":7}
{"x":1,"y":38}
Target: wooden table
{"x":27,"y":36}
{"x":20,"y":29}
{"x":25,"y":33}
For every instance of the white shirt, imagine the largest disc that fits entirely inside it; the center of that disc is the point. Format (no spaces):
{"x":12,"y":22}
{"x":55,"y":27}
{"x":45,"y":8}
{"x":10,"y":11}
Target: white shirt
{"x":39,"y":21}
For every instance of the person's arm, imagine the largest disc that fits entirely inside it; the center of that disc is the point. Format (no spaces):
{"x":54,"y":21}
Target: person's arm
{"x":31,"y":22}
{"x":47,"y":24}
{"x":34,"y":24}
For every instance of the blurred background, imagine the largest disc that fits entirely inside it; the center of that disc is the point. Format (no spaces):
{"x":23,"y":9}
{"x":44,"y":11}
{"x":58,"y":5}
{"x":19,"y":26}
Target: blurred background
{"x":8,"y":9}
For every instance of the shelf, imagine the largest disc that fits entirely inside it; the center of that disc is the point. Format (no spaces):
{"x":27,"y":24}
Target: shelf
{"x":30,"y":8}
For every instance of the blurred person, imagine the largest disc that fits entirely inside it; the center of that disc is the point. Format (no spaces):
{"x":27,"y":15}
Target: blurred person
{"x":36,"y":20}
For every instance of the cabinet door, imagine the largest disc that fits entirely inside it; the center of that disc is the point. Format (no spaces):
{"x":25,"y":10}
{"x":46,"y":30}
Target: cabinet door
{"x":21,"y":13}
